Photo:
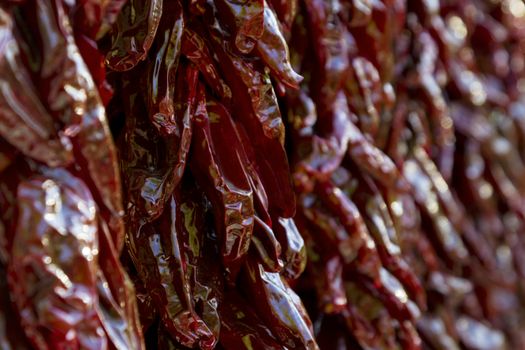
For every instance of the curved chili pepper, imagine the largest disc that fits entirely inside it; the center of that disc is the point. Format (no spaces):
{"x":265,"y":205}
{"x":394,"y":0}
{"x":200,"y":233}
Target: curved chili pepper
{"x":248,"y":19}
{"x":293,"y":247}
{"x":279,"y":306}
{"x":267,"y":247}
{"x":332,"y":47}
{"x":370,"y":323}
{"x":381,"y":228}
{"x":118,"y":308}
{"x":329,"y":147}
{"x":224,"y":180}
{"x":160,"y":95}
{"x":333,"y":235}
{"x":133,"y":33}
{"x":454,"y":210}
{"x":35,"y":137}
{"x":150,"y":176}
{"x":162,"y":272}
{"x":371,"y":95}
{"x":393,"y":297}
{"x":447,"y":234}
{"x":202,"y":253}
{"x":352,"y":221}
{"x":373,"y":161}
{"x":69,"y":94}
{"x":194,"y":48}
{"x":257,"y":110}
{"x":274,"y":51}
{"x":56,"y":210}
{"x":331,"y":292}
{"x":442,"y":124}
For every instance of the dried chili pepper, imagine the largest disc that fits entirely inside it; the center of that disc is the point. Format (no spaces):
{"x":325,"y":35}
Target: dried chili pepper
{"x":355,"y":174}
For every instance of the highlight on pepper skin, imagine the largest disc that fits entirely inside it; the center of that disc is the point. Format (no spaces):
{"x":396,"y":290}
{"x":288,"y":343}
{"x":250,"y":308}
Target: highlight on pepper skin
{"x":262,"y":174}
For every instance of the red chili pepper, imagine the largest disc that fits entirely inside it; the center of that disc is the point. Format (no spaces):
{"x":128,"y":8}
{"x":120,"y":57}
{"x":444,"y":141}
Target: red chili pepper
{"x":133,"y":33}
{"x":365,"y":153}
{"x":224,"y":180}
{"x":247,"y":19}
{"x":273,"y":50}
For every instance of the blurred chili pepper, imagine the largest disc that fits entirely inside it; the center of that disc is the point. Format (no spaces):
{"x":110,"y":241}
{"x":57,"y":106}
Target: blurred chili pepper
{"x":34,"y":136}
{"x":402,"y":133}
{"x":56,"y":211}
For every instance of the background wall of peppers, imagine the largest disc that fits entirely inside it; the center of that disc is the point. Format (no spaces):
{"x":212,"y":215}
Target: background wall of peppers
{"x":281,"y":174}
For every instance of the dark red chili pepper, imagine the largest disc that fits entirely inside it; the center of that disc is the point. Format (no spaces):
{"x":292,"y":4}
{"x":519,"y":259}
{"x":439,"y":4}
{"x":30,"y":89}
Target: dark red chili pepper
{"x":162,"y":72}
{"x":273,"y":50}
{"x":54,"y":210}
{"x":267,"y":248}
{"x":293,"y":248}
{"x":133,"y":34}
{"x":353,"y":163}
{"x":34,"y":136}
{"x":286,"y":11}
{"x":162,"y":272}
{"x":194,"y":49}
{"x":278,"y":306}
{"x":245,"y":19}
{"x":149,"y":175}
{"x":224,"y":179}
{"x":242,"y":328}
{"x":257,"y":110}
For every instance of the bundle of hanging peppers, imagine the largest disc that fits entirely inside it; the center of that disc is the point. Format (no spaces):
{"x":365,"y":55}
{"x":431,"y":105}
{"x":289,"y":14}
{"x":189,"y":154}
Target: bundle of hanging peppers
{"x":262,"y":174}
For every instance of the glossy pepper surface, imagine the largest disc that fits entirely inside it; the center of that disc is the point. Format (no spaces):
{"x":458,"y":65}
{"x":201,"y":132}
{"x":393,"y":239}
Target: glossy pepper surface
{"x":262,"y":174}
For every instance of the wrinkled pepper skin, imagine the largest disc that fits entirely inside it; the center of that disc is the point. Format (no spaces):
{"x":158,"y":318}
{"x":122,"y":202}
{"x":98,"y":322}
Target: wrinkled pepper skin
{"x":65,"y":212}
{"x":133,"y":34}
{"x":56,"y":209}
{"x":282,"y":308}
{"x":262,"y":174}
{"x":224,"y":180}
{"x":36,"y":138}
